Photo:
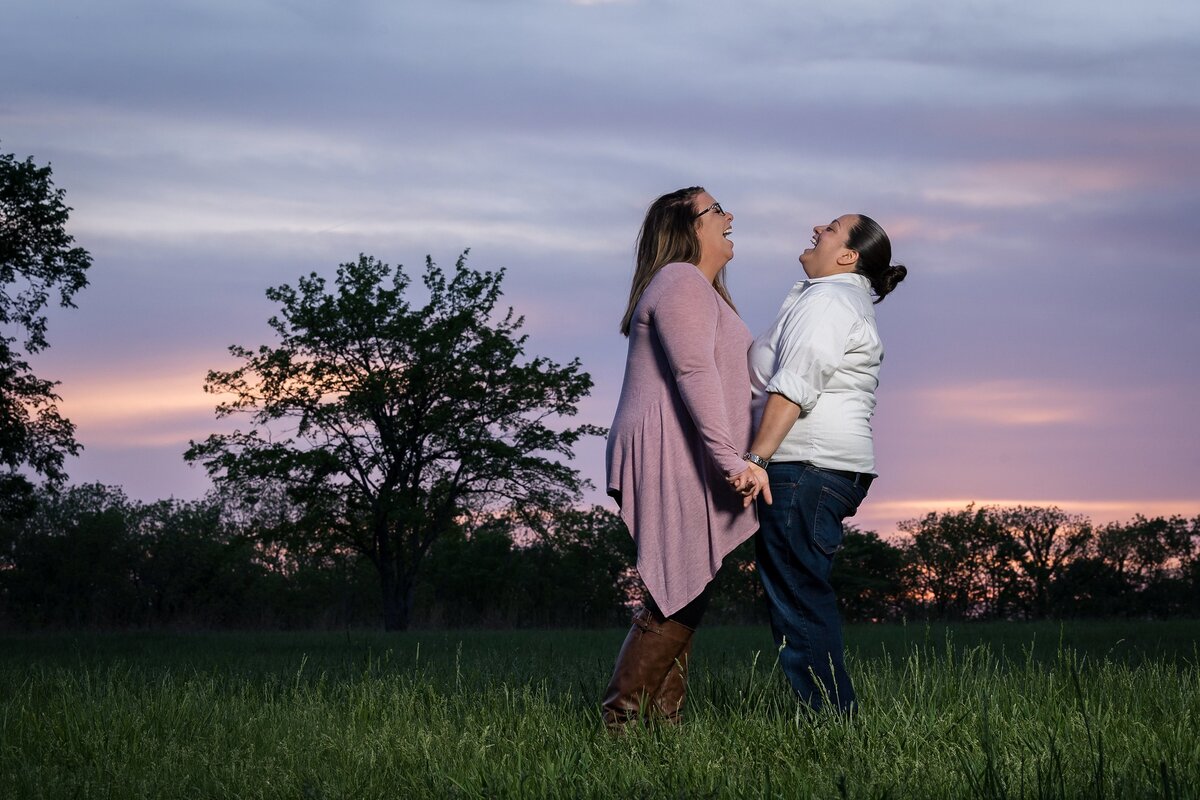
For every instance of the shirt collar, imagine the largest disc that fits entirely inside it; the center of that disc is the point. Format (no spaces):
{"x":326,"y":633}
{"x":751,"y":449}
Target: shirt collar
{"x":841,"y":277}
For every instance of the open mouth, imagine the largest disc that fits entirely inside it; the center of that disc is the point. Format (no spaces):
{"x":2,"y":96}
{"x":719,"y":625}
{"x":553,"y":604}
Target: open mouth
{"x":728,"y":232}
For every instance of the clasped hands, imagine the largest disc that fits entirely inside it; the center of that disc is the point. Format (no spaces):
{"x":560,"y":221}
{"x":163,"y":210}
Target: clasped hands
{"x":750,"y":482}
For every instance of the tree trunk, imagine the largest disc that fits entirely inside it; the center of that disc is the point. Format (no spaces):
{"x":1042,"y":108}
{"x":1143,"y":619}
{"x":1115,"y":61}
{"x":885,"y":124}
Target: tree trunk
{"x":398,"y":591}
{"x":397,"y":598}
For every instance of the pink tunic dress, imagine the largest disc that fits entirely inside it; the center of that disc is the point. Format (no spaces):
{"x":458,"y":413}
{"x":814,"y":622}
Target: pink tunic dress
{"x":681,"y":427}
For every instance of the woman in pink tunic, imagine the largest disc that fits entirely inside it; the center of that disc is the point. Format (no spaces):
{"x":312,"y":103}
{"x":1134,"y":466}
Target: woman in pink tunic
{"x":677,"y":443}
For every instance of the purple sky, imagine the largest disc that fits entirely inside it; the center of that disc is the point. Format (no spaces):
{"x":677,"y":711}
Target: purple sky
{"x":1037,"y":167}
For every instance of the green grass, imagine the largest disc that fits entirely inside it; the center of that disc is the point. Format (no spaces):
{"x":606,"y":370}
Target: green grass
{"x":996,"y":710}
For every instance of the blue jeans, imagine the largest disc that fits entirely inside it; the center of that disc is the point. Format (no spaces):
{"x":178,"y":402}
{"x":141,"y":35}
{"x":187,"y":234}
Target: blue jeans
{"x":797,"y":538}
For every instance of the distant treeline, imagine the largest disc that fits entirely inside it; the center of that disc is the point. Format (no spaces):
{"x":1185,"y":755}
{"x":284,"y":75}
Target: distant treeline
{"x":88,"y":556}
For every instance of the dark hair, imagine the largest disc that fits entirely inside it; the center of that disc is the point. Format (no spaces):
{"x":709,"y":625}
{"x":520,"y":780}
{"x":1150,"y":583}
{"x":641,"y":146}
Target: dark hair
{"x":668,"y":235}
{"x":875,"y":256}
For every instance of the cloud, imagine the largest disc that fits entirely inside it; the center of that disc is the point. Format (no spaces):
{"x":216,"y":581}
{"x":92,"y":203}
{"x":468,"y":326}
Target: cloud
{"x":1028,"y":184}
{"x":1014,"y":403}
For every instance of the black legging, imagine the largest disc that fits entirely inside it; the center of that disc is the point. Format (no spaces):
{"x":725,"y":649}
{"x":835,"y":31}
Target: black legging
{"x":688,"y":616}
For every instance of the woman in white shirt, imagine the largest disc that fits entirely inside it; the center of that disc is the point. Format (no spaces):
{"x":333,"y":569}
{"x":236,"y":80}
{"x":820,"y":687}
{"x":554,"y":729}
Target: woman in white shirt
{"x":813,"y":375}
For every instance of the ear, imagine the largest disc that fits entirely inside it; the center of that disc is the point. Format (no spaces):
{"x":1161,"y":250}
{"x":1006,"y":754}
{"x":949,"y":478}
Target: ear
{"x":848,"y":258}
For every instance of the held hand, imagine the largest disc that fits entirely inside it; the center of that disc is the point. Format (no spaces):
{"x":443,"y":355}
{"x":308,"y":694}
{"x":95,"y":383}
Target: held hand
{"x":750,"y":482}
{"x":739,"y":481}
{"x":764,"y":483}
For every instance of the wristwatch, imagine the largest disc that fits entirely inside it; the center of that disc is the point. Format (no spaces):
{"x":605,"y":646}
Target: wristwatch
{"x":757,"y":461}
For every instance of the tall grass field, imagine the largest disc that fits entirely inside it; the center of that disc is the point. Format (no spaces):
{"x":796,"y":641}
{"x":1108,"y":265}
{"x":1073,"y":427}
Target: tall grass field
{"x":1013,"y":710}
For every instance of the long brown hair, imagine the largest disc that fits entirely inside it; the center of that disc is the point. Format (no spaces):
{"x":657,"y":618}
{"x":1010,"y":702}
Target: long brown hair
{"x":668,"y":235}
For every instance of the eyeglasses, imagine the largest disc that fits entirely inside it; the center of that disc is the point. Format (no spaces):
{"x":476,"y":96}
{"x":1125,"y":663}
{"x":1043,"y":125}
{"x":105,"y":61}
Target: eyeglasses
{"x":714,"y":207}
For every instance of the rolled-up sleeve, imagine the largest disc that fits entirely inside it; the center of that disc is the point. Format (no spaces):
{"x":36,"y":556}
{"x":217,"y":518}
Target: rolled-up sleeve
{"x":812,"y":344}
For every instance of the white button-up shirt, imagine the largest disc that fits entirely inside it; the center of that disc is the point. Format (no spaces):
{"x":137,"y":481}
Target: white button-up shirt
{"x":823,"y":353}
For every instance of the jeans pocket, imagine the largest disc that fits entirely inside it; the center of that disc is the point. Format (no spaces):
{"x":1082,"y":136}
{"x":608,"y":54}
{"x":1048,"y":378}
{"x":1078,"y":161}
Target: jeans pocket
{"x":833,"y":506}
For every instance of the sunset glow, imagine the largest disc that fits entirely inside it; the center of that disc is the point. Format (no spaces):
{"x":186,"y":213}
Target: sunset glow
{"x":98,"y":404}
{"x":882,"y":516}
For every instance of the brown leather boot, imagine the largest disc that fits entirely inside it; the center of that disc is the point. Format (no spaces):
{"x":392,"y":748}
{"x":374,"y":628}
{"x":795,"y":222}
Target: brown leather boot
{"x":647,"y":656}
{"x":672,"y":692}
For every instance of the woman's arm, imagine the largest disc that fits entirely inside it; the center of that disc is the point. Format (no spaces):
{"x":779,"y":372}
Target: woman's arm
{"x":685,"y":319}
{"x":779,"y":415}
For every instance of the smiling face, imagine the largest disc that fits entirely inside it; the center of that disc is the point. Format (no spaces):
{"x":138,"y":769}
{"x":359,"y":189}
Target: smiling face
{"x":714,"y":226}
{"x":828,"y":254}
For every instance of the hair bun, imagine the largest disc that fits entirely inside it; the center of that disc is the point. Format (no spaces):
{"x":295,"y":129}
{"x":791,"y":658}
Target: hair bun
{"x":893,"y":275}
